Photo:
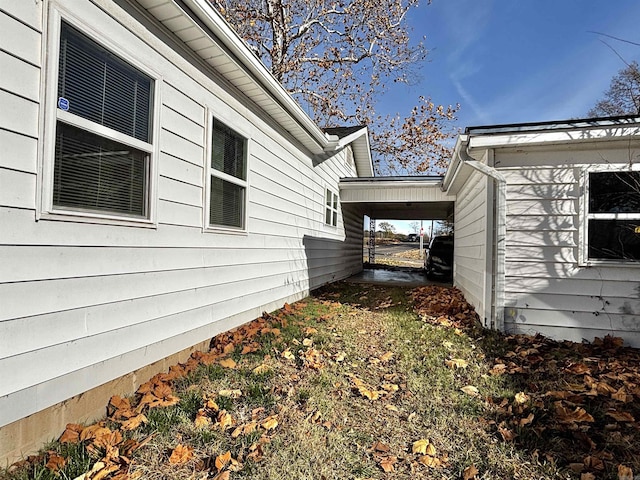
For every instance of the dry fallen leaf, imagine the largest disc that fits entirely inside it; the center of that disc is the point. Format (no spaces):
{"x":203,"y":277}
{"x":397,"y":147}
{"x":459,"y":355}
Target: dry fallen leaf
{"x":470,"y":472}
{"x":471,"y":390}
{"x":202,"y":420}
{"x":222,"y":460}
{"x":181,"y":454}
{"x":507,"y":435}
{"x":594,"y":463}
{"x":456,"y":363}
{"x":134,"y":422}
{"x":380,"y":447}
{"x":578,"y":415}
{"x":420,"y":446}
{"x":386,"y":357}
{"x":228,"y":363}
{"x":270,"y":423}
{"x":621,"y":416}
{"x":526,"y":420}
{"x":387,"y":463}
{"x":429,"y":461}
{"x":260,"y":369}
{"x":230,"y":393}
{"x":252,"y":347}
{"x":225,"y":420}
{"x":521,"y":398}
{"x":71,"y":433}
{"x":624,"y":473}
{"x":288,"y":355}
{"x":54,"y":461}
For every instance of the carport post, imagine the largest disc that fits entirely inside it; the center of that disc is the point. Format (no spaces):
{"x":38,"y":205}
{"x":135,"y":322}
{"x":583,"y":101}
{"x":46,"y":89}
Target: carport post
{"x":372,"y":240}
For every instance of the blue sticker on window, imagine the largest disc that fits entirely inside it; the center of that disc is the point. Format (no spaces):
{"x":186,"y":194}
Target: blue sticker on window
{"x":63,"y":104}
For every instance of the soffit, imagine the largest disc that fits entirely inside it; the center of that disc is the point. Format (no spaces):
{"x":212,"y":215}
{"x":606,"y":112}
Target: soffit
{"x":174,"y":15}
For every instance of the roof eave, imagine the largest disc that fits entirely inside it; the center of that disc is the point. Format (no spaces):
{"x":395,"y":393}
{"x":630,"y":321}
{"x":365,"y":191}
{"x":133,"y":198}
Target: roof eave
{"x":223,"y":33}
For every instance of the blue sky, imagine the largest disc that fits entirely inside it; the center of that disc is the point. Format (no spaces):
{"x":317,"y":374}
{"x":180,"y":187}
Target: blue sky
{"x":513,"y":61}
{"x":510,"y":61}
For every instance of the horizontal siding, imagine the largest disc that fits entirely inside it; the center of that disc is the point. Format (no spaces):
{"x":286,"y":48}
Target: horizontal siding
{"x":18,"y":189}
{"x":17,"y":36}
{"x":570,"y":271}
{"x":546,"y":290}
{"x":123,"y":297}
{"x":470,"y":247}
{"x":55,"y":390}
{"x":19,"y":77}
{"x":29,"y":13}
{"x":19,"y":114}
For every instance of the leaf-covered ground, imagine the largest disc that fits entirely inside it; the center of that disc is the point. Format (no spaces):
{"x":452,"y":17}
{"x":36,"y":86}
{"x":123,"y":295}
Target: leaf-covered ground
{"x":363,"y":382}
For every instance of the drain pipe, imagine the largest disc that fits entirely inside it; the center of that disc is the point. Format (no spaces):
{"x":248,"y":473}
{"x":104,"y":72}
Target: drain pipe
{"x":500,"y":229}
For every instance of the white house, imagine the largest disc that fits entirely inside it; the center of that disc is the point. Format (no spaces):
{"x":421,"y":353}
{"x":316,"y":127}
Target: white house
{"x":157,"y":187}
{"x":547,"y":225}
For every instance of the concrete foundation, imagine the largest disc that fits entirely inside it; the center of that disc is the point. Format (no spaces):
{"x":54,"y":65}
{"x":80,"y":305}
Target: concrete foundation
{"x":30,"y":434}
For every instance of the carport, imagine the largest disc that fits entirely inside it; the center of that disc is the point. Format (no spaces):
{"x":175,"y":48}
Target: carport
{"x":397,"y":198}
{"x":394,"y":198}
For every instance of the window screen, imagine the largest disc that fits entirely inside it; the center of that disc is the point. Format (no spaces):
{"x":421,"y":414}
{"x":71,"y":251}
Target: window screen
{"x":102,"y":88}
{"x":614,"y":216}
{"x":228,"y":177}
{"x":331,"y":208}
{"x":92,"y":170}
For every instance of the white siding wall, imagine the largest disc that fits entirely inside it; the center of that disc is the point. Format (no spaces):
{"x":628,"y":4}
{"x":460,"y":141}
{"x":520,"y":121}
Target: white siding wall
{"x":82,"y":303}
{"x":472,"y":227}
{"x":546,"y":290}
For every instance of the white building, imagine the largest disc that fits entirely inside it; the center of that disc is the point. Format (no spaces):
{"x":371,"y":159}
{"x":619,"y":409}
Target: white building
{"x":157,"y":187}
{"x":547,"y":225}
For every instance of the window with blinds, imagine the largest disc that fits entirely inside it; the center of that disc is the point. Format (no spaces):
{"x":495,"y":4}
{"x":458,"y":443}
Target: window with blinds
{"x":228,"y":178}
{"x":103,"y":140}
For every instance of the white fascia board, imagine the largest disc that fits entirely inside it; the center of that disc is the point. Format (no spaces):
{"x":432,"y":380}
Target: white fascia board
{"x":455,"y":163}
{"x":224,"y":33}
{"x":517,"y":139}
{"x":388,"y":184}
{"x":343,"y":142}
{"x":364,"y":162}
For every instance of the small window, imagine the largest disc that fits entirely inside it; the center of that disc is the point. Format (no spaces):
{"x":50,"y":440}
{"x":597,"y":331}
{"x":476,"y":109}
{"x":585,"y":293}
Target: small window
{"x":331,"y":208}
{"x":613,"y":218}
{"x":103,"y":139}
{"x":228,"y":178}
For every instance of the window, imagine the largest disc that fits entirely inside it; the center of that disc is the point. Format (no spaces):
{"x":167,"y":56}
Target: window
{"x":331,"y":208}
{"x":613,"y":216}
{"x":103,"y":131}
{"x":228,"y":178}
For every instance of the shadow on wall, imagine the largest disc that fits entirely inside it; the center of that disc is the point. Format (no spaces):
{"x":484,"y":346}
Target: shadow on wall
{"x":330,"y":260}
{"x":547,"y":289}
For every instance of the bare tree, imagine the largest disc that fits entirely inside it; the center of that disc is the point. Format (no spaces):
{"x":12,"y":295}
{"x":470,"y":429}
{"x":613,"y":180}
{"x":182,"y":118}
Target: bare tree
{"x":337,"y":57}
{"x":415,"y":227}
{"x":387,"y":228}
{"x":623,"y":95}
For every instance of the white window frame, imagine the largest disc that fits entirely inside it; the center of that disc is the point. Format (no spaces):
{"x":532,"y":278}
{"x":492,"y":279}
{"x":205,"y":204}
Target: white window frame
{"x":53,"y":115}
{"x":332,"y":207}
{"x":583,"y":231}
{"x":209,"y":171}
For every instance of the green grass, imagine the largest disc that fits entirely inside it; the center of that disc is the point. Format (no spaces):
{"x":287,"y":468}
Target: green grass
{"x":327,"y":428}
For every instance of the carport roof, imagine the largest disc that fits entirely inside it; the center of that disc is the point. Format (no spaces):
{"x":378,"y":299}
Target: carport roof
{"x":398,"y":198}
